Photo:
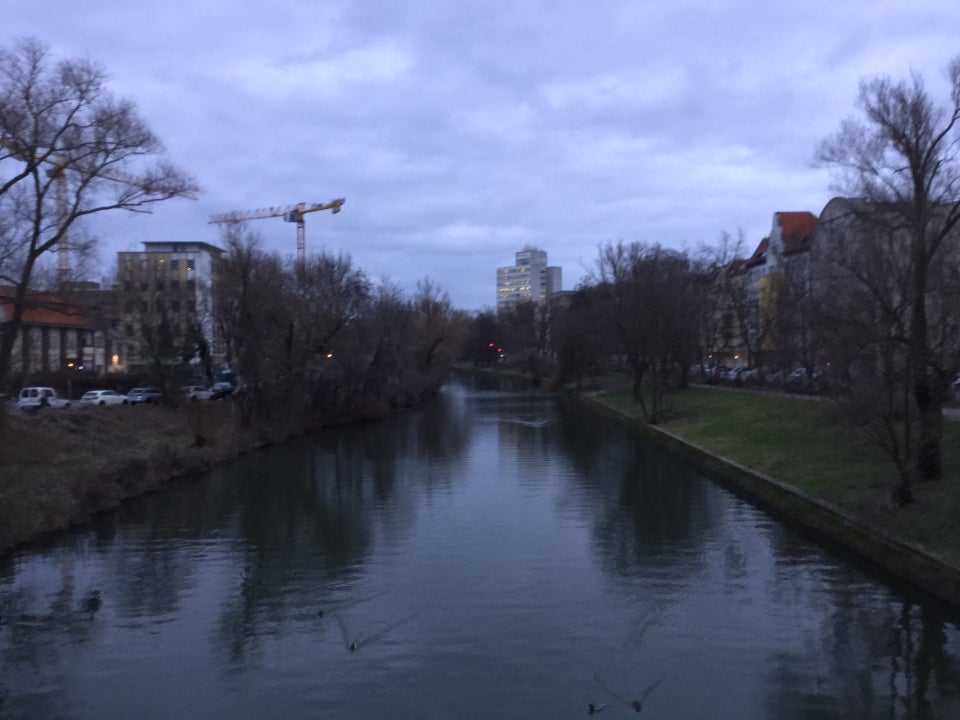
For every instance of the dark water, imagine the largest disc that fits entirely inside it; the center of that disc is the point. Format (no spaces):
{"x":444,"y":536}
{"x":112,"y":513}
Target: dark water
{"x":491,"y":555}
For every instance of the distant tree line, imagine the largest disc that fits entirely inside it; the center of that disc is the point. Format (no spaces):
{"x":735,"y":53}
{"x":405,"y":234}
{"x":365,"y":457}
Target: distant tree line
{"x":319,"y":342}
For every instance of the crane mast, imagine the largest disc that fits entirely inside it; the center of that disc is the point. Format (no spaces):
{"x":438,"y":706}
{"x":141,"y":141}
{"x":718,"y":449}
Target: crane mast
{"x":290,"y":213}
{"x":57,"y":171}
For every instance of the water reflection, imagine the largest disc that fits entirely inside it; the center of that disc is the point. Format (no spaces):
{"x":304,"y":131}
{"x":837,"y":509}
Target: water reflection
{"x":493,"y":554}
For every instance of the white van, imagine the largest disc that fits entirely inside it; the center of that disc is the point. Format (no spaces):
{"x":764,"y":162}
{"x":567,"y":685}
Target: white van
{"x":38,"y":397}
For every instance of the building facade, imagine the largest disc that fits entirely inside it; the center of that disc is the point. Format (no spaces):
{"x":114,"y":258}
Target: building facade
{"x":763,"y":307}
{"x":528,"y":279}
{"x":60,"y":331}
{"x":165,"y":302}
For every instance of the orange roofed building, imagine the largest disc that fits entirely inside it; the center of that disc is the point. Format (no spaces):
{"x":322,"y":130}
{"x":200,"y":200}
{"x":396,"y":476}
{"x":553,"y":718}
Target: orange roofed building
{"x":59,"y":331}
{"x":770,"y":277}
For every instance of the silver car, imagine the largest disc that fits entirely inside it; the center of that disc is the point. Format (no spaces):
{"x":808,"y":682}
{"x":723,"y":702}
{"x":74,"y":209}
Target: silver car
{"x":103,"y":397}
{"x":143,"y":396}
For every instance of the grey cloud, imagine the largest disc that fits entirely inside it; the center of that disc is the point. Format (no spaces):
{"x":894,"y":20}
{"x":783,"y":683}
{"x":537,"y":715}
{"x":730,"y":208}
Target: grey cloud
{"x":460,"y":131}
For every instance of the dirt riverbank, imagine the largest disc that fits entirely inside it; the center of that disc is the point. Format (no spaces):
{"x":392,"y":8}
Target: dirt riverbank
{"x":59,"y":467}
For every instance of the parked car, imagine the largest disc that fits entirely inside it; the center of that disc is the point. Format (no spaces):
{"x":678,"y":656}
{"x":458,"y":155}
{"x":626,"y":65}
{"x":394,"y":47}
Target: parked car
{"x":103,"y":397}
{"x":38,"y":397}
{"x":143,"y":396}
{"x":717,"y":372}
{"x":733,"y":374}
{"x":221,"y":390}
{"x":195,"y":392}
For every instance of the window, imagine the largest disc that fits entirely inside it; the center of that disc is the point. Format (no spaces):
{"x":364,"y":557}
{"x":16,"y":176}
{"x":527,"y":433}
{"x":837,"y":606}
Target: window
{"x":159,"y":284}
{"x":192,"y":306}
{"x":174,"y":264}
{"x":191,"y":285}
{"x":143,"y":306}
{"x":175,"y":305}
{"x":144,"y":285}
{"x":128,"y":308}
{"x":129,"y":329}
{"x":174,"y":284}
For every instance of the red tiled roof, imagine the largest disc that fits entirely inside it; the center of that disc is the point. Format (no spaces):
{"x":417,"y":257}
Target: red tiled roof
{"x":760,"y":254}
{"x":42,"y":308}
{"x":736,"y":265}
{"x":797,"y":229}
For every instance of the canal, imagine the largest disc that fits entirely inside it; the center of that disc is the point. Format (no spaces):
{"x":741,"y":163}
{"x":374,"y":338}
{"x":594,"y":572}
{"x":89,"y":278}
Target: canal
{"x":492,"y":554}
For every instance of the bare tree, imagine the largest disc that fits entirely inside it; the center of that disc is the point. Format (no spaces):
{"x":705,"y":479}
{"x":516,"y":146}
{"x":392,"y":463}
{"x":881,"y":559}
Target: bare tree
{"x":650,"y":296}
{"x":437,"y":334}
{"x":578,"y":337}
{"x":68,"y":149}
{"x":901,"y":158}
{"x":864,"y":325}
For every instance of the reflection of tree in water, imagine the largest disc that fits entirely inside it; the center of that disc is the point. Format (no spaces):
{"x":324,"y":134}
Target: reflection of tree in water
{"x":651,"y":503}
{"x":309,"y":529}
{"x":870,"y":657}
{"x":865,"y":652}
{"x":305,"y":526}
{"x":34,"y":621}
{"x":661,"y":506}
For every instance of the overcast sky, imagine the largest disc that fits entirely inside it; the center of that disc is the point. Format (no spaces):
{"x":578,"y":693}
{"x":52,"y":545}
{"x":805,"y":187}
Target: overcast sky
{"x":458,"y":132}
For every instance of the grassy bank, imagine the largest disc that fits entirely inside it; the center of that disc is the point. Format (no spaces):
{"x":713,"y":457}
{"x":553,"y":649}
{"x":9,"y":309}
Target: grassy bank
{"x":60,"y":467}
{"x":808,"y":446}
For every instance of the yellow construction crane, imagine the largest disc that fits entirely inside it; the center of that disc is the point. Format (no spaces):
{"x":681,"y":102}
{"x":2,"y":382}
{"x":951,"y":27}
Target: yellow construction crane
{"x":290,"y":213}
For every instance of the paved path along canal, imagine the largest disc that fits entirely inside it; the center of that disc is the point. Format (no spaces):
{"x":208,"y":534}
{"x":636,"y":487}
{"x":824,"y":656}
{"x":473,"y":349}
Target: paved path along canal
{"x":492,"y":554}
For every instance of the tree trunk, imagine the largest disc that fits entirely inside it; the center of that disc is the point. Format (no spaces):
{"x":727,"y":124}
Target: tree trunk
{"x":930,"y":443}
{"x":926,"y":395}
{"x":639,"y":369}
{"x":903,"y":490}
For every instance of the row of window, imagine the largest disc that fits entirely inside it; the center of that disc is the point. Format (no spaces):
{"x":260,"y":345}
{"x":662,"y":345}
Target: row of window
{"x":174,"y":306}
{"x":175,"y":264}
{"x":145,"y":330}
{"x":130,"y":285}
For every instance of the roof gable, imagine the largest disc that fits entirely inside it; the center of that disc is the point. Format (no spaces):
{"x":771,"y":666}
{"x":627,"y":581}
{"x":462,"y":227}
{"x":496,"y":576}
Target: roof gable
{"x":797,"y":230}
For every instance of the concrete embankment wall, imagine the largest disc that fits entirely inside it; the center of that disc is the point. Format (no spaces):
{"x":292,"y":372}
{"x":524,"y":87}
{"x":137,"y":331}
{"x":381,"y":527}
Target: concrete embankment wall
{"x":826,"y":521}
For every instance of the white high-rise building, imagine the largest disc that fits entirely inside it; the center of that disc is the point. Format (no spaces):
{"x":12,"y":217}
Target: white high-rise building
{"x":530,"y":279}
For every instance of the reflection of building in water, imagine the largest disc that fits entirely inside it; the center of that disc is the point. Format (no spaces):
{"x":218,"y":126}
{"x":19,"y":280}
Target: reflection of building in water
{"x":528,"y":279}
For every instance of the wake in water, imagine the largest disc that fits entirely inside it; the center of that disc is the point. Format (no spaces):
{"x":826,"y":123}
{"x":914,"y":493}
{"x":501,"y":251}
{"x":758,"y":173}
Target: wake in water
{"x":356,"y":644}
{"x":635,"y":636}
{"x":526,"y":423}
{"x":636,"y":704}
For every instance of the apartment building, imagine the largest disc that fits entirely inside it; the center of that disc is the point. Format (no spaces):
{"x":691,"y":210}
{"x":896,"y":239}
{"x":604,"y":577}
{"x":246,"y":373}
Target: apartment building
{"x":165,"y":302}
